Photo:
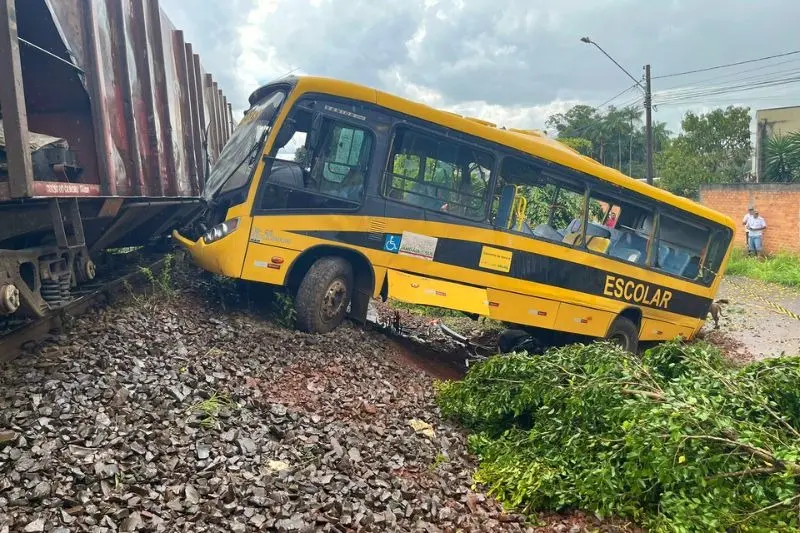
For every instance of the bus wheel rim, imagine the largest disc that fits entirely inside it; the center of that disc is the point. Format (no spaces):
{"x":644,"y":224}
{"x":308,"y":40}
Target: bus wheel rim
{"x":334,"y":299}
{"x":619,"y":339}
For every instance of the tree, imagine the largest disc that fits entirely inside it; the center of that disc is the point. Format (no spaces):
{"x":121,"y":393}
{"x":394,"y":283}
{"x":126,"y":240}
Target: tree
{"x":782,"y":158}
{"x":616,"y":135}
{"x":581,"y":145}
{"x":712,"y":148}
{"x":681,"y":170}
{"x":722,"y":139}
{"x":301,"y":156}
{"x":577,"y":121}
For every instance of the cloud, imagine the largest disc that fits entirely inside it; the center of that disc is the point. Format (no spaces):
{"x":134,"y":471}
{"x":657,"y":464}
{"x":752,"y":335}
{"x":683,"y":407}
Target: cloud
{"x":508,"y":61}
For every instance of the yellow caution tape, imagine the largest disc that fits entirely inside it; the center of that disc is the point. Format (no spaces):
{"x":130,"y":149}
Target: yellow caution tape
{"x":776,"y":307}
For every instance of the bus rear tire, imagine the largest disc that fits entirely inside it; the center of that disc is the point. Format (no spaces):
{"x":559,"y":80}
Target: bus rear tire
{"x":510,"y":339}
{"x":624,"y":333}
{"x":324,"y":295}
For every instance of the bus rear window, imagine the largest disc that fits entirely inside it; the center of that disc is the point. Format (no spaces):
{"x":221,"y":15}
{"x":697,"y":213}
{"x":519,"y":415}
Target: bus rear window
{"x":681,"y":247}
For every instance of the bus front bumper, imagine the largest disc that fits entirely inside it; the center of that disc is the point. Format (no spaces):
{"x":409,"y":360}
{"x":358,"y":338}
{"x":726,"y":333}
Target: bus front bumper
{"x":219,"y":257}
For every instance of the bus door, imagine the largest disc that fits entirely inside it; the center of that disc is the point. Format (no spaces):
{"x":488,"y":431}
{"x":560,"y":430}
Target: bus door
{"x":329,"y":152}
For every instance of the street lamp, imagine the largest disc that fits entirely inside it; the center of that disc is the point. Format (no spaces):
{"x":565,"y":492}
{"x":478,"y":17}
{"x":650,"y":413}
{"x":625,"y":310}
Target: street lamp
{"x":647,"y":106}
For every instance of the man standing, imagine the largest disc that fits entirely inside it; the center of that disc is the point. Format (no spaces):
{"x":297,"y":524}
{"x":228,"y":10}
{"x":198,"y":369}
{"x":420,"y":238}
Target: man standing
{"x":745,"y":223}
{"x":755,"y":231}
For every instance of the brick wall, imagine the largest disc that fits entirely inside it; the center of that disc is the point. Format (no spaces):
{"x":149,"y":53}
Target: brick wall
{"x":777,"y":203}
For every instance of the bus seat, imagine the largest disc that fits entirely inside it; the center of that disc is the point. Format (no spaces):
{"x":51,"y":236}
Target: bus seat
{"x":505,"y":205}
{"x":597,"y":230}
{"x":676,"y":262}
{"x":598,"y":244}
{"x":287,"y":175}
{"x":546,"y":231}
{"x":628,"y":243}
{"x":692,"y":269}
{"x":592,"y":230}
{"x":573,"y":227}
{"x":572,"y":238}
{"x":663,"y":255}
{"x":526,"y":228}
{"x":628,"y":254}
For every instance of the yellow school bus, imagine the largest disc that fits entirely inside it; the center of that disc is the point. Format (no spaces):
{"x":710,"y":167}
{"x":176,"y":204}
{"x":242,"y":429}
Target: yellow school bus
{"x":343,"y":193}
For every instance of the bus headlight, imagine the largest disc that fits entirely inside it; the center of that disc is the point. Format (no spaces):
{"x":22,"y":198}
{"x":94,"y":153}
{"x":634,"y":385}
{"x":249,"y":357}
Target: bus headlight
{"x":221,"y":230}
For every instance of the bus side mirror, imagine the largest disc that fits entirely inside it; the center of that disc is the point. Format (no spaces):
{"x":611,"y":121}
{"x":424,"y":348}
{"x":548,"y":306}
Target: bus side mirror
{"x":288,"y":130}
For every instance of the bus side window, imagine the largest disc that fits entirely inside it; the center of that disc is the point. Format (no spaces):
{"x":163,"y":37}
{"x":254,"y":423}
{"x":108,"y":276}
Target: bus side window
{"x":716,"y":253}
{"x":681,"y":247}
{"x":438,"y":174}
{"x":340,"y":167}
{"x":622,"y":229}
{"x":548,"y":208}
{"x":330,"y":174}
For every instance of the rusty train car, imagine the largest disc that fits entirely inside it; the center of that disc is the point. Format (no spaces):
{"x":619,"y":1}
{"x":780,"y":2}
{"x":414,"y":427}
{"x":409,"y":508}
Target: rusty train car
{"x":109,"y":127}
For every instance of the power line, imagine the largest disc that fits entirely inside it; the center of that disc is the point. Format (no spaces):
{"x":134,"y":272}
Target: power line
{"x":712,"y":91}
{"x":744,"y":83}
{"x":766,"y":77}
{"x":726,"y":65}
{"x":725,"y":100}
{"x":617,"y":96}
{"x":725,"y":90}
{"x":632,"y":103}
{"x":734,"y":74}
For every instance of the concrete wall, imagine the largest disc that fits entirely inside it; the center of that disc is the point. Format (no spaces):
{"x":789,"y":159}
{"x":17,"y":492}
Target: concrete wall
{"x":780,"y":120}
{"x":778,"y":204}
{"x":769,"y":122}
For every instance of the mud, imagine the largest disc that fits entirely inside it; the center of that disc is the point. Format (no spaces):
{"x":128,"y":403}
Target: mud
{"x":752,"y":329}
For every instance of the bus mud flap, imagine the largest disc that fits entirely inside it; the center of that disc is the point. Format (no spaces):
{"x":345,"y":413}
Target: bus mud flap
{"x":414,"y":289}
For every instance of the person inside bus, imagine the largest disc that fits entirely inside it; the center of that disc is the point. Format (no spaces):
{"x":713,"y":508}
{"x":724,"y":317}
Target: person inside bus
{"x":352,"y":185}
{"x":423,"y":195}
{"x":426,"y":194}
{"x":467,"y":199}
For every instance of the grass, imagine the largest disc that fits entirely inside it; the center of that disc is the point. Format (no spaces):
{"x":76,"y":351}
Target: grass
{"x":782,"y":268}
{"x":210,"y":408}
{"x":428,"y":311}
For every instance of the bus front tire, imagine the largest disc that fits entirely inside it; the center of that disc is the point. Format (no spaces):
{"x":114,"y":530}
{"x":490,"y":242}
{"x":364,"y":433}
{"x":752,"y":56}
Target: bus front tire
{"x":624,"y":333}
{"x":323,"y":295}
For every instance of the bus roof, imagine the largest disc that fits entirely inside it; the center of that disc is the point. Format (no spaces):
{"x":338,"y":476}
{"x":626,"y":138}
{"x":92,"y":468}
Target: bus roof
{"x":528,"y":141}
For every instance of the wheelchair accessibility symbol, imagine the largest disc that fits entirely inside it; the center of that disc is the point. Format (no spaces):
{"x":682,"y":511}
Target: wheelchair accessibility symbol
{"x":392,"y":243}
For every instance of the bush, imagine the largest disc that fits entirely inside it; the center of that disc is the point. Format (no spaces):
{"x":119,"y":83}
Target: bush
{"x":783,"y":268}
{"x":675,"y":440}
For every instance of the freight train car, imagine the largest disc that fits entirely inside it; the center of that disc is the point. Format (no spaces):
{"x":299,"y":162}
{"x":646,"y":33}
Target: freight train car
{"x":108,"y":127}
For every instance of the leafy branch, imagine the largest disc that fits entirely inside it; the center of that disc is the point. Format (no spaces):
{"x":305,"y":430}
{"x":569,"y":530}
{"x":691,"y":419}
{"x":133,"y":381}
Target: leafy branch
{"x":675,"y":440}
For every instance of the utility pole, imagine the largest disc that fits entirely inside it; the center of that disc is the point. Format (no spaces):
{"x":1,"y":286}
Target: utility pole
{"x":648,"y":107}
{"x":648,"y":124}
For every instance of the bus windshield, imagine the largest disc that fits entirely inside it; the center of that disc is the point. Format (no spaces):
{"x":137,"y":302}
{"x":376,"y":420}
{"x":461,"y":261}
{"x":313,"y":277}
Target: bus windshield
{"x":233,"y":168}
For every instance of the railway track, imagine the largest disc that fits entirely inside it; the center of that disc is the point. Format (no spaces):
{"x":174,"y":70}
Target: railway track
{"x":19,"y":336}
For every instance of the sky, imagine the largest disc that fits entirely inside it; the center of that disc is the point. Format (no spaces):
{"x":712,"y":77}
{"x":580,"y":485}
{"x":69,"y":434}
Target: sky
{"x":512,"y":62}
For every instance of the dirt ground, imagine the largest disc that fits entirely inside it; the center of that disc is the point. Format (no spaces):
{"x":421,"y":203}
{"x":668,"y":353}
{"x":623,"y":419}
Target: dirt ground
{"x":750,"y":327}
{"x":190,"y":412}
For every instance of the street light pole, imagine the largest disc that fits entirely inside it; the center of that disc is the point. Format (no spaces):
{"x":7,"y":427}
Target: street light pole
{"x":648,"y":107}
